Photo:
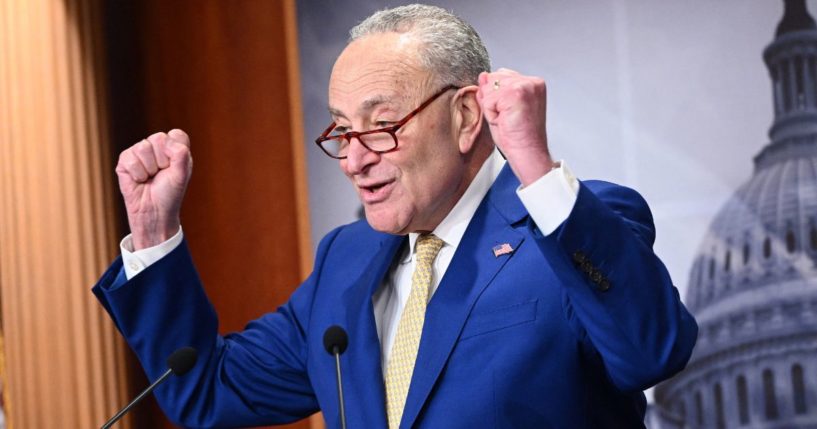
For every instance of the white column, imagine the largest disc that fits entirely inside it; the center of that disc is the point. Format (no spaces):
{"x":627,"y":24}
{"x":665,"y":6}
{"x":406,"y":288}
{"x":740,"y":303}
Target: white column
{"x":808,"y":82}
{"x":792,"y":83}
{"x":757,"y":410}
{"x":783,"y":389}
{"x":779,"y":87}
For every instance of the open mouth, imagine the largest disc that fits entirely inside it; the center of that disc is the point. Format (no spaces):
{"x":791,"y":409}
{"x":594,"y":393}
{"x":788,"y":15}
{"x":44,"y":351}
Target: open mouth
{"x":373,"y":189}
{"x":375,"y":192}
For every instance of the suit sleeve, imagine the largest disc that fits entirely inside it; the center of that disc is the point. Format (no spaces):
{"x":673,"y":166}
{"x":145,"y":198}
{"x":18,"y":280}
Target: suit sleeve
{"x":254,"y":377}
{"x":619,"y":296}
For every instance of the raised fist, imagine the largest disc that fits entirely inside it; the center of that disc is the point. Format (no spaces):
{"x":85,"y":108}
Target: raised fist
{"x":515,"y":108}
{"x":153,"y":176}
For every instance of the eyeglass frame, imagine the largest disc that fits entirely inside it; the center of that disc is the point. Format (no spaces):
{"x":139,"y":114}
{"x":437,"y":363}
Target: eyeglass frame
{"x":391,"y":130}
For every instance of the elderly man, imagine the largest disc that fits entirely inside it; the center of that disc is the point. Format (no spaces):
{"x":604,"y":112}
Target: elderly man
{"x":479,"y":292}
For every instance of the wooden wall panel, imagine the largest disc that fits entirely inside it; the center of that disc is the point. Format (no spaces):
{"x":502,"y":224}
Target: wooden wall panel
{"x":225,"y":72}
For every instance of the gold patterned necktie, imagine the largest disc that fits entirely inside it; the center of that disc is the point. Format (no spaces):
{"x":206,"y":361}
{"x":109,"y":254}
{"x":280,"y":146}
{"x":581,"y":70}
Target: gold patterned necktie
{"x":407,"y":341}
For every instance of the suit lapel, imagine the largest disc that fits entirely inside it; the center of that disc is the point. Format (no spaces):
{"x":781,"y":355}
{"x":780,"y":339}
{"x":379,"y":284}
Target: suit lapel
{"x":364,"y":369}
{"x":471,"y":270}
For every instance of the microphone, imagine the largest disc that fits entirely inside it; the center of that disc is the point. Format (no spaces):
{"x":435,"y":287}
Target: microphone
{"x":335,"y":341}
{"x":179,"y":363}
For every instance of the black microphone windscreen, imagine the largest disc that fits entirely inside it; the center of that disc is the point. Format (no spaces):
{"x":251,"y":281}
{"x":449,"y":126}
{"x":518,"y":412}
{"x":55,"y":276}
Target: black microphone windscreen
{"x":182,"y":360}
{"x":334,"y":337}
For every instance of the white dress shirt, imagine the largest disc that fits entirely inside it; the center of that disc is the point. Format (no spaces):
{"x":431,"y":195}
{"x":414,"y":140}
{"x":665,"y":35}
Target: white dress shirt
{"x":548,"y":200}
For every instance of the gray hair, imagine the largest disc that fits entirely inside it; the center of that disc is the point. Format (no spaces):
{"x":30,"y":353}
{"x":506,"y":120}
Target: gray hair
{"x":451,"y":48}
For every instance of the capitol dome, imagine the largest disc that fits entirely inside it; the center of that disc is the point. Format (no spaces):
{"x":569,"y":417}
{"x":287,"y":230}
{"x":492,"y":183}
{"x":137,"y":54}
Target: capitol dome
{"x":753,"y":284}
{"x":765,"y":236}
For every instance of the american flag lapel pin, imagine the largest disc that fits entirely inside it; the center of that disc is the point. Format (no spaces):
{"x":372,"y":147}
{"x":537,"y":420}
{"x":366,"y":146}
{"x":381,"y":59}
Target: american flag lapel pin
{"x":502,"y":249}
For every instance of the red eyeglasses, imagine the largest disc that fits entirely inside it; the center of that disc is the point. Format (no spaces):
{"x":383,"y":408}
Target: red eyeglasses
{"x":336,"y":144}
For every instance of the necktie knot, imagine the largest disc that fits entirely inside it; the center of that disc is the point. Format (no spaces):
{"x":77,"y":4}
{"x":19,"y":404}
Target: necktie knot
{"x":427,"y":248}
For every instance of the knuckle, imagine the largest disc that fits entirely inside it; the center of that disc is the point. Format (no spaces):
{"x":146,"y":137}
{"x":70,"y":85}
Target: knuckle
{"x":125,"y":156}
{"x":132,"y":164}
{"x":156,"y":137}
{"x":145,"y":149}
{"x":518,"y":89}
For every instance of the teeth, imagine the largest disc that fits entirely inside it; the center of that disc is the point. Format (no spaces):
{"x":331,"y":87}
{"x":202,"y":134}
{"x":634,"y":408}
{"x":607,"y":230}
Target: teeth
{"x":374,"y":188}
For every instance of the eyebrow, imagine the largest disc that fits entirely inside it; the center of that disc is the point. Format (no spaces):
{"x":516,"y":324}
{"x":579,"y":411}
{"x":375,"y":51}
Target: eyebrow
{"x":367,"y":105}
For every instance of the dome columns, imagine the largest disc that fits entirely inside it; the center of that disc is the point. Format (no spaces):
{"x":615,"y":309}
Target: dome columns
{"x":792,"y":64}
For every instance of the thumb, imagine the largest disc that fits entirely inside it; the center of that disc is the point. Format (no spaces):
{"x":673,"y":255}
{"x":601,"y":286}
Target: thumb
{"x":177,"y":149}
{"x":179,"y":136}
{"x":179,"y":154}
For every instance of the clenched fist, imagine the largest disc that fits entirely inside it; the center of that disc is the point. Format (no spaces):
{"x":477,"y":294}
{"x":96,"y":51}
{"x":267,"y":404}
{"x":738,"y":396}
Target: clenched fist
{"x":153,"y":175}
{"x":515,"y":107}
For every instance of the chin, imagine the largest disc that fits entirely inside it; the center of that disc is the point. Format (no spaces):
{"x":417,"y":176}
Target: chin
{"x":385,"y":222}
{"x":385,"y":227}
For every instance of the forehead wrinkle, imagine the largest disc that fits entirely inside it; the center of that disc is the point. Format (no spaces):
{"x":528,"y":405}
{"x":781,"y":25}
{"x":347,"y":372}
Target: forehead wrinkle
{"x":366,"y":106}
{"x":387,"y":64}
{"x":383,"y":91}
{"x":371,"y":77}
{"x":389,"y":71}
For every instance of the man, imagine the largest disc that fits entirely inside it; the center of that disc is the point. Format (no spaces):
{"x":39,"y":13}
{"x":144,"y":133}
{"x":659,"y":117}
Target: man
{"x":477,"y":293}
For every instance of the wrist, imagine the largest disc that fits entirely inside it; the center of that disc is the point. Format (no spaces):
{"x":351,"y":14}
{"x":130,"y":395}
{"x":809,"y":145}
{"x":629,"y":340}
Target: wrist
{"x":149,"y":233}
{"x":532,"y":166}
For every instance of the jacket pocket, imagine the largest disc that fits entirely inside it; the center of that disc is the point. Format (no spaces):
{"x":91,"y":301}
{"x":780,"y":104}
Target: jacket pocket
{"x":492,"y":320}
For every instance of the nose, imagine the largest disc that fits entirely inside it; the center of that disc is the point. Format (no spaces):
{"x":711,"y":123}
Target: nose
{"x":358,"y":158}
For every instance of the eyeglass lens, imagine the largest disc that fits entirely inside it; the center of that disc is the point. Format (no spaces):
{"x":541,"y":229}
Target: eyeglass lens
{"x":377,"y":141}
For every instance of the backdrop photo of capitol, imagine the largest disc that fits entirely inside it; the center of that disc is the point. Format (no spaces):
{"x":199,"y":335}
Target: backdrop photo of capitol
{"x":753,"y":284}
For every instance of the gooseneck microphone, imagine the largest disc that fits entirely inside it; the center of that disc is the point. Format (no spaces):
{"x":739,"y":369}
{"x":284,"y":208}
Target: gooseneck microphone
{"x":335,"y":341}
{"x":179,"y":363}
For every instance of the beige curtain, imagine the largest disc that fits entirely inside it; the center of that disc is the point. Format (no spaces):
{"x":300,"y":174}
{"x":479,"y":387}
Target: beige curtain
{"x":64,"y":363}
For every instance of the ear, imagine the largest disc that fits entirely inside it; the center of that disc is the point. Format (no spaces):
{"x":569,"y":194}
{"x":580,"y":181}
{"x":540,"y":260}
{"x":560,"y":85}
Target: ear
{"x":467,"y":121}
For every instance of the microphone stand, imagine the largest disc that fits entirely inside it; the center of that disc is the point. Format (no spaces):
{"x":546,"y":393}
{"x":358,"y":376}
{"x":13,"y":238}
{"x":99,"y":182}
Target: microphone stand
{"x":336,"y":352}
{"x":147,"y":391}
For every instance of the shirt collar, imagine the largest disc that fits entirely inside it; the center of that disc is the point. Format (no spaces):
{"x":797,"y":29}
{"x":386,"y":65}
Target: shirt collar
{"x":453,"y":226}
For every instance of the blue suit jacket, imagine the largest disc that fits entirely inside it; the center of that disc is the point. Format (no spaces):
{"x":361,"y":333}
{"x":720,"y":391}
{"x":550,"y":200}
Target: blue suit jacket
{"x":564,"y":332}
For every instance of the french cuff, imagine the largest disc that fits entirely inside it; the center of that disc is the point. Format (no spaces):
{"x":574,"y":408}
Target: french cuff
{"x":136,"y":261}
{"x":550,"y":198}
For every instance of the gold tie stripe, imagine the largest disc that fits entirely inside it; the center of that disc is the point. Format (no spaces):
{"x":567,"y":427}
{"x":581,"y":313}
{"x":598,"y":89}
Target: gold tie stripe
{"x":407,"y":341}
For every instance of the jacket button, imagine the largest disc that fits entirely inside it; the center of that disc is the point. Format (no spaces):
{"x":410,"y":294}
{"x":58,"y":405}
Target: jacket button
{"x":604,"y":285}
{"x":579,"y":257}
{"x":596,"y":277}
